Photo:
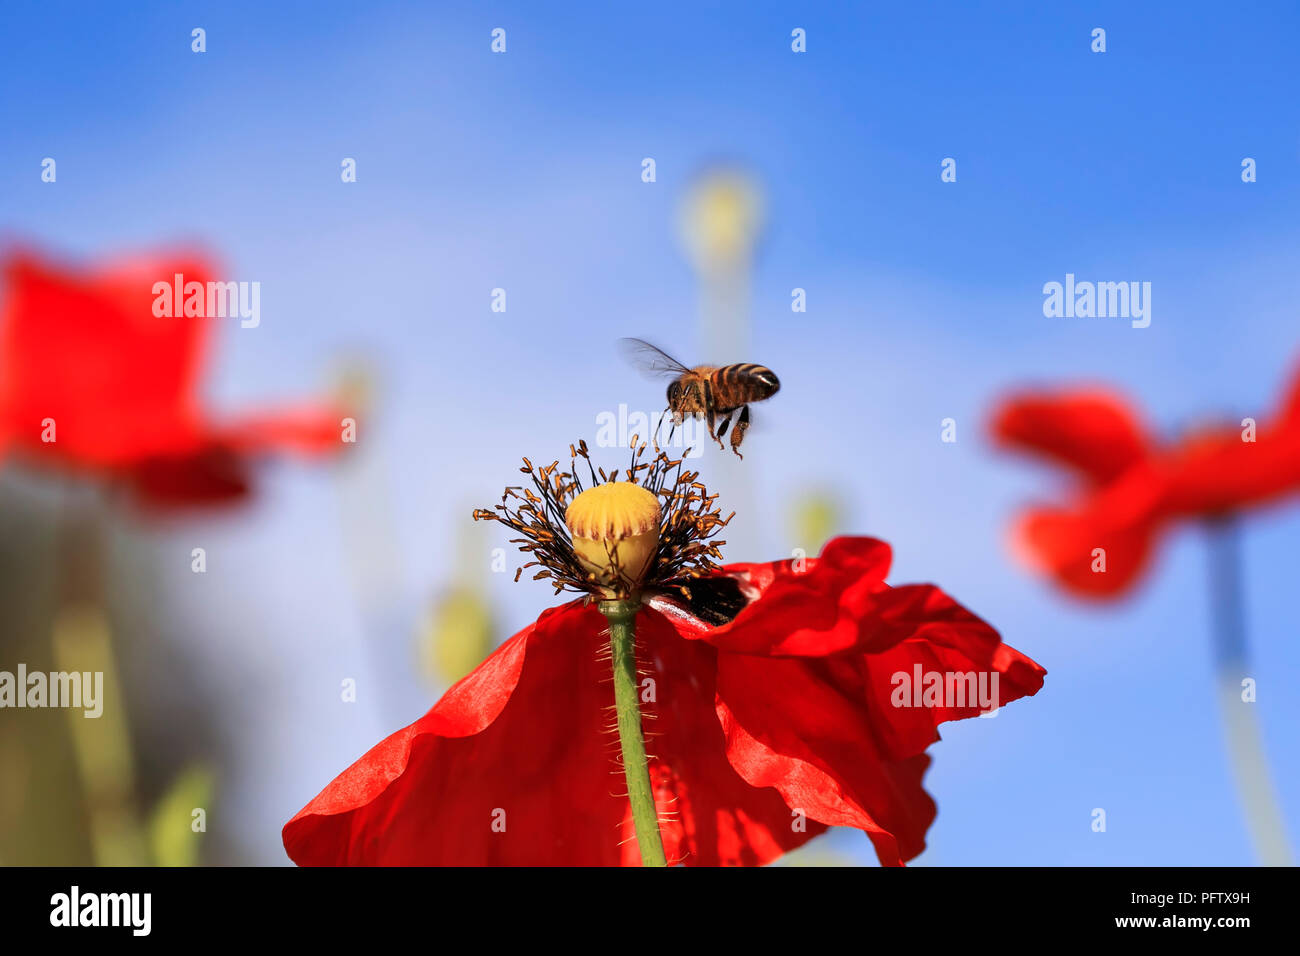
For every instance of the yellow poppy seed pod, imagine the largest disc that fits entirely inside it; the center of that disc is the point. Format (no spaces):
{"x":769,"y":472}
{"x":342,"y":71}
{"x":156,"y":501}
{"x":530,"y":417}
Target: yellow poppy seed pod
{"x":617,"y":519}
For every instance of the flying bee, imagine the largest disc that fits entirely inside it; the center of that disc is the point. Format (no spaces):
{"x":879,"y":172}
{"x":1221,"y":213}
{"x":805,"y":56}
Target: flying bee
{"x":707,"y":391}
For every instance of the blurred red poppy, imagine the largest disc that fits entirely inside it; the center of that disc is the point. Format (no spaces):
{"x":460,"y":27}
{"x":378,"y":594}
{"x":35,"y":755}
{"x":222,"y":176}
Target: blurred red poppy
{"x":763,"y":731}
{"x":93,"y":381}
{"x":1133,"y":488}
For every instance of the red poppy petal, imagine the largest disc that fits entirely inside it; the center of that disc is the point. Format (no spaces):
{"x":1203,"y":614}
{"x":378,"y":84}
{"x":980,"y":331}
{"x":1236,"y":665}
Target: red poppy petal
{"x":838,"y":603}
{"x":309,"y":429}
{"x":1217,"y":472}
{"x":1115,"y":529}
{"x":1092,"y":431}
{"x":815,"y":746}
{"x":861,"y":558}
{"x":809,"y":608}
{"x":1085,"y":555}
{"x":834,"y":738}
{"x":970,"y":671}
{"x":709,"y":815}
{"x":1289,"y":415}
{"x":213,"y":476}
{"x":511,"y":767}
{"x":808,"y":681}
{"x":87,"y":351}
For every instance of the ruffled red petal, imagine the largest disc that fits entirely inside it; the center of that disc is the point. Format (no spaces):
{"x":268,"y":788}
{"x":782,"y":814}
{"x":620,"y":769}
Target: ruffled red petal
{"x":815,"y":709}
{"x":817,"y":750}
{"x":1102,"y":546}
{"x":837,"y":603}
{"x":509,"y":767}
{"x":1092,"y":431}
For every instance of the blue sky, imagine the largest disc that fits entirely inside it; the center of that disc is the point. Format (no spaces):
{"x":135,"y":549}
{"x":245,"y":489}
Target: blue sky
{"x":522,"y":171}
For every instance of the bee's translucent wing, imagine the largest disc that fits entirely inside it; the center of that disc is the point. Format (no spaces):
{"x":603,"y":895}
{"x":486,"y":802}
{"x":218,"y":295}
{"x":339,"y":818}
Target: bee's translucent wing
{"x":650,"y":359}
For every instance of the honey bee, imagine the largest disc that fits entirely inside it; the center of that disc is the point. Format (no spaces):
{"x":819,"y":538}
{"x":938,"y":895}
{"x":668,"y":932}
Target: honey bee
{"x":707,"y":391}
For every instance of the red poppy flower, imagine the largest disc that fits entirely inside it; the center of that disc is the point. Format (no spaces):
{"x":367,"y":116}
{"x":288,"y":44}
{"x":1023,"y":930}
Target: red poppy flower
{"x":786,"y":711}
{"x":1132,"y":487}
{"x":91,"y":380}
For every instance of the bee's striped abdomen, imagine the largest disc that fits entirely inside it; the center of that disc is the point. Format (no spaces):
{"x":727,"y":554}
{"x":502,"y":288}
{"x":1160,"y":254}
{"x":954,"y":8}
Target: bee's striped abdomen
{"x":746,"y":382}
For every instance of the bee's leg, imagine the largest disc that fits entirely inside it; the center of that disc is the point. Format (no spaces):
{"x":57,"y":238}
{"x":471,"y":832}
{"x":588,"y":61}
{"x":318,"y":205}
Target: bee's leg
{"x":722,"y":430}
{"x":712,"y":418}
{"x":659,"y":427}
{"x":709,"y":412}
{"x":738,"y":433}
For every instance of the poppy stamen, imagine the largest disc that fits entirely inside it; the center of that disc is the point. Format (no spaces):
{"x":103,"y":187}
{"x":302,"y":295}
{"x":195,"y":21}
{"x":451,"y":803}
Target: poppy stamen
{"x":674,"y":517}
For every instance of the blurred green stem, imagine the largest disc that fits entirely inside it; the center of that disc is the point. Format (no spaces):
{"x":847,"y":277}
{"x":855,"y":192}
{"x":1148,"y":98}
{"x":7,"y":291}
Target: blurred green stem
{"x":636,"y":769}
{"x":83,"y":642}
{"x":1241,"y":728}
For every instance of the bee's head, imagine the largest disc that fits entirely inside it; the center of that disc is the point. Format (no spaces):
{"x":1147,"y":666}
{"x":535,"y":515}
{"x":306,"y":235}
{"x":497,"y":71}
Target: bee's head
{"x":674,"y":392}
